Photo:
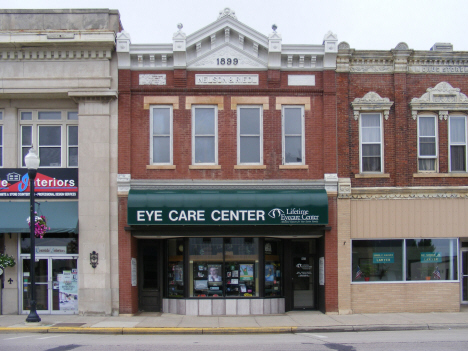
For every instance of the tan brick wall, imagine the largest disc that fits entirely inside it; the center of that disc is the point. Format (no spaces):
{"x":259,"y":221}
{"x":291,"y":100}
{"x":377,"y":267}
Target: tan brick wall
{"x":405,"y":297}
{"x":344,"y":256}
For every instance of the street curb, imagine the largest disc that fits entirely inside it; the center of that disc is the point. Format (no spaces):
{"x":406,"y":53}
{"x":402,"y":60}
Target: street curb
{"x":230,"y":330}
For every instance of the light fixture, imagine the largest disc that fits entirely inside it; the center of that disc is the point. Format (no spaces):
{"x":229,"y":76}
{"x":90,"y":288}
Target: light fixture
{"x":32,"y":162}
{"x":93,"y":259}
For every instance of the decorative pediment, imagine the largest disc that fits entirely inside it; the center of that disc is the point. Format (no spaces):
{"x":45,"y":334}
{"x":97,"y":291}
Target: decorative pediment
{"x":443,"y":99}
{"x":226,"y":57}
{"x":371,"y":102}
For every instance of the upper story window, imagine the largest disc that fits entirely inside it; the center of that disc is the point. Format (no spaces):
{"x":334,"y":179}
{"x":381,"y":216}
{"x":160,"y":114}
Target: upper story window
{"x":249,"y":135}
{"x":204,"y":135}
{"x":427,"y":143}
{"x":371,"y":148}
{"x":53,"y":133}
{"x":457,"y":141}
{"x":1,"y":138}
{"x":293,"y":135}
{"x":161,"y":135}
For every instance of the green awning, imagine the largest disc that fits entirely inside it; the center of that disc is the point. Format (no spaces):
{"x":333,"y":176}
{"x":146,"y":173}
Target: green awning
{"x":227,"y":207}
{"x":62,"y":216}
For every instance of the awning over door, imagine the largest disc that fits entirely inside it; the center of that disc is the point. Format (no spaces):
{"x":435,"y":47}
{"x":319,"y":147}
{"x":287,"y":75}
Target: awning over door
{"x":227,"y":207}
{"x":62,"y":216}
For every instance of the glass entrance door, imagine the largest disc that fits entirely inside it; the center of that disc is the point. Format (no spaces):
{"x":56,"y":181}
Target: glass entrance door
{"x":56,"y":285}
{"x":303,"y":279}
{"x":464,"y":275}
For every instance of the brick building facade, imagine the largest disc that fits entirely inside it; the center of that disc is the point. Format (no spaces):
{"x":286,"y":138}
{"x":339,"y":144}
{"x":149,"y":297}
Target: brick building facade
{"x":403,"y":195}
{"x":227,"y":164}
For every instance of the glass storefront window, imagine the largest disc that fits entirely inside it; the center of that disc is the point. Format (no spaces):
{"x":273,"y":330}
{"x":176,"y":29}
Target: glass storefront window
{"x":175,"y":273}
{"x":205,"y":265}
{"x":377,"y":260}
{"x":241,"y":268}
{"x":273,"y":271}
{"x":431,"y":259}
{"x":52,"y":243}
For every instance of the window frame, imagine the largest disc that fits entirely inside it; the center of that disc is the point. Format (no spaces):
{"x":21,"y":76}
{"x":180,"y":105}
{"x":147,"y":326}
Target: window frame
{"x":436,"y":137}
{"x":260,"y":135}
{"x":171,"y":134}
{"x":35,"y":123}
{"x":283,"y":134}
{"x":450,"y":144}
{"x":215,"y":108}
{"x":361,"y":143}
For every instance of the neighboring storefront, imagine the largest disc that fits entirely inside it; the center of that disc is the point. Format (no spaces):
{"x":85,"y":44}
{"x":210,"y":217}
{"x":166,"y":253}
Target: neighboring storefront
{"x":403,"y":194}
{"x":227,"y":173}
{"x":58,"y":96}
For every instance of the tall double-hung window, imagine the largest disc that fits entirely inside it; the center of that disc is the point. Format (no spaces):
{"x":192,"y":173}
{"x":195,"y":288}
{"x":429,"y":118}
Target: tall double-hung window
{"x":457,"y":139}
{"x":54,"y":134}
{"x":161,"y":135}
{"x":204,"y":135}
{"x":249,"y":132}
{"x":293,"y":135}
{"x":371,"y":148}
{"x":1,"y":138}
{"x":427,"y":143}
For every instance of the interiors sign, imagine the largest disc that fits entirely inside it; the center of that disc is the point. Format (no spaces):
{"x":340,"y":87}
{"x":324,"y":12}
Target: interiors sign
{"x":223,"y":216}
{"x":49,"y":183}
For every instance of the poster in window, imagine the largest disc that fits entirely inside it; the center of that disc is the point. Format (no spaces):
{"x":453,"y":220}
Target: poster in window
{"x":201,"y":284}
{"x":246,"y":272}
{"x":269,"y":273}
{"x":214,"y":271}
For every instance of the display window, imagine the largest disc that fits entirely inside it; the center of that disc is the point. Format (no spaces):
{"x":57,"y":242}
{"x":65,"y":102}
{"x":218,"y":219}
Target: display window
{"x":273,"y":253}
{"x":223,"y":267}
{"x":404,"y":260}
{"x":175,"y":273}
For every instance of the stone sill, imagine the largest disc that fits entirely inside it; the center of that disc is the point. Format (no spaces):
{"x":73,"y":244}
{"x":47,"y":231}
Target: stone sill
{"x":293,"y":166}
{"x":160,"y":167}
{"x":372,"y":175}
{"x":440,"y":175}
{"x":204,"y":167}
{"x":250,"y":167}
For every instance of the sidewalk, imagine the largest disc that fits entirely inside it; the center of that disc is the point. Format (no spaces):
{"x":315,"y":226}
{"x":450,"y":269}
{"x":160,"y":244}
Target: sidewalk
{"x":290,"y":322}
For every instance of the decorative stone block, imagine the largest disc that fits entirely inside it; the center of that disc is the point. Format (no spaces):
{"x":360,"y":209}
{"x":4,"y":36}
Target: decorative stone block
{"x":205,"y":308}
{"x":301,"y":80}
{"x":256,"y":306}
{"x":231,"y":307}
{"x":152,"y":79}
{"x":191,"y":307}
{"x":243,"y":307}
{"x":219,"y":307}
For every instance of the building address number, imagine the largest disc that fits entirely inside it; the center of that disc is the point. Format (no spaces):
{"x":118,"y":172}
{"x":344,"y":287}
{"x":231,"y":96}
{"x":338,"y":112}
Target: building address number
{"x":228,"y":61}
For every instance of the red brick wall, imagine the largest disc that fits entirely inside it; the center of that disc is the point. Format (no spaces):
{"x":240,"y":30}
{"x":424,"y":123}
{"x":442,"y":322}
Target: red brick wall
{"x":128,"y":294}
{"x":331,"y":258}
{"x":400,"y":131}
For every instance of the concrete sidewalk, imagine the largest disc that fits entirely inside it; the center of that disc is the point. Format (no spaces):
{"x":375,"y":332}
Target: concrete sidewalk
{"x":290,"y":322}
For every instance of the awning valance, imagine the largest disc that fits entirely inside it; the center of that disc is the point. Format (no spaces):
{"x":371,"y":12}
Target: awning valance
{"x":227,"y":207}
{"x":62,"y":216}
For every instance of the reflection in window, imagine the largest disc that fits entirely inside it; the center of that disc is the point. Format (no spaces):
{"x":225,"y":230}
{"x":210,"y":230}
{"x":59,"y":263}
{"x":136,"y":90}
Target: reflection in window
{"x":431,"y":259}
{"x":175,"y":273}
{"x":273,"y":271}
{"x":377,"y":260}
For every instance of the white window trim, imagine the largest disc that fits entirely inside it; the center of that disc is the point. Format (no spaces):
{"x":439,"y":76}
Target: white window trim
{"x":436,"y":168}
{"x":215,"y":107}
{"x":171,"y":136}
{"x":283,"y":108}
{"x":465,"y":143}
{"x":382,"y":163}
{"x":260,"y":107}
{"x":64,"y":122}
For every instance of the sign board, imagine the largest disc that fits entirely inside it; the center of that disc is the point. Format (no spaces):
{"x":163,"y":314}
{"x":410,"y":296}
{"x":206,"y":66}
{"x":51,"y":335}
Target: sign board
{"x":49,"y":183}
{"x":383,"y":257}
{"x":431,"y":257}
{"x":134,"y":272}
{"x":322,"y":271}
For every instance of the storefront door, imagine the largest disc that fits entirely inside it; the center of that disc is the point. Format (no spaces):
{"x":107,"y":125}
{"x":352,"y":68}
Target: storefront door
{"x":464,"y":275}
{"x":149,"y":277}
{"x":303,"y":278}
{"x":56,"y":285}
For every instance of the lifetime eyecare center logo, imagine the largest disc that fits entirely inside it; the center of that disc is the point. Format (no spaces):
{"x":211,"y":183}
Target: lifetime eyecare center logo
{"x":274,"y":216}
